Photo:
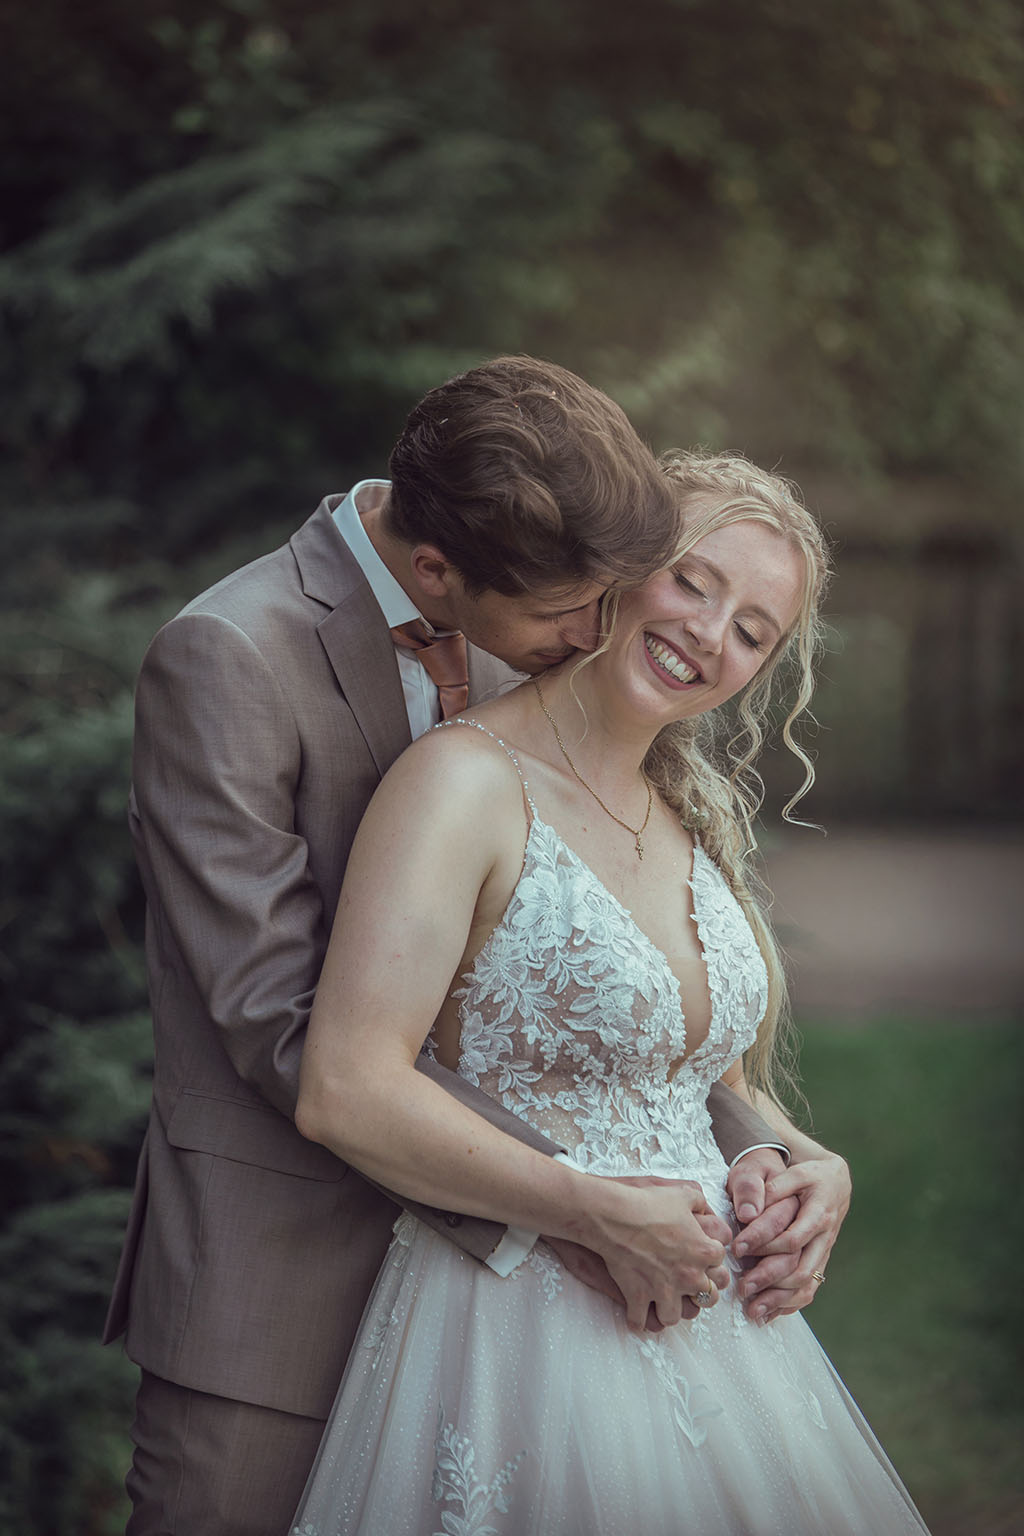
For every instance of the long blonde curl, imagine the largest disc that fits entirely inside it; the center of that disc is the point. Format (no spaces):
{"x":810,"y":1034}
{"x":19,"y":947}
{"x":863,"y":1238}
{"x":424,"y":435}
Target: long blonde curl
{"x":705,"y":768}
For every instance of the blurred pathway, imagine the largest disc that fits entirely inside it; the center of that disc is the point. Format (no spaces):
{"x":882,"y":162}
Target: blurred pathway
{"x":909,"y":919}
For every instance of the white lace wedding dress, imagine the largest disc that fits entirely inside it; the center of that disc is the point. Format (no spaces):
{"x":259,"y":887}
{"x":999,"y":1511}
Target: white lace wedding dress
{"x":479,"y":1406}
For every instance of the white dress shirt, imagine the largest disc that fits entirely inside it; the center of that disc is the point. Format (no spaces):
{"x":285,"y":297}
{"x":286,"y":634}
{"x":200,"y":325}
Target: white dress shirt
{"x":422,"y":702}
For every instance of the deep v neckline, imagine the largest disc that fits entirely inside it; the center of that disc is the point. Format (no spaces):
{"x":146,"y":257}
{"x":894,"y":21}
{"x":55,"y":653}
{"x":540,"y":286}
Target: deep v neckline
{"x":675,"y":986}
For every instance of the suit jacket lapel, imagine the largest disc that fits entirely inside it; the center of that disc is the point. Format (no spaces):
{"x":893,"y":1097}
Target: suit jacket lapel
{"x":358,"y":642}
{"x":359,"y":648}
{"x":354,"y":635}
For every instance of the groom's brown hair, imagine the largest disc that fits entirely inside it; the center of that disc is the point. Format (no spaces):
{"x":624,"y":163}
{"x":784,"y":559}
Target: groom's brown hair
{"x":526,"y":477}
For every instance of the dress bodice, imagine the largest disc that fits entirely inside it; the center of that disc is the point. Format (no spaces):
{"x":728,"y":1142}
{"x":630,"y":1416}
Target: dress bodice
{"x":573,"y":1019}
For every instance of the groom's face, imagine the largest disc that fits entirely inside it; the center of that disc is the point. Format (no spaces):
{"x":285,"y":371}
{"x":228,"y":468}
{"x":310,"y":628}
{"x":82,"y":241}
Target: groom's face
{"x":531,"y":631}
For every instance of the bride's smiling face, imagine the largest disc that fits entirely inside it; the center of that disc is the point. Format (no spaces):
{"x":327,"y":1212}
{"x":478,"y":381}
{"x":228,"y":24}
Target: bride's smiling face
{"x":696,"y":634}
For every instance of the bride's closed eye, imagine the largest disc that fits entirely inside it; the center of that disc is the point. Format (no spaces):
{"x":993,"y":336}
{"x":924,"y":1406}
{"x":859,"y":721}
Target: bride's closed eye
{"x":684,"y":581}
{"x":749,"y":639}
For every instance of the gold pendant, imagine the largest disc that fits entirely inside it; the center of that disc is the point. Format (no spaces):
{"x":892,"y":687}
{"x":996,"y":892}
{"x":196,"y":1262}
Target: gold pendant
{"x":639,"y":848}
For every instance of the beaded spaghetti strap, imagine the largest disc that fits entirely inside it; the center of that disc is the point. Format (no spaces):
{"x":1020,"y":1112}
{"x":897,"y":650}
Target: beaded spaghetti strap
{"x":443,"y":725}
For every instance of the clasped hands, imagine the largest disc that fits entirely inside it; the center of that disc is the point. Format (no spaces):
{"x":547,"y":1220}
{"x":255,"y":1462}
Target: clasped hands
{"x":788,"y":1220}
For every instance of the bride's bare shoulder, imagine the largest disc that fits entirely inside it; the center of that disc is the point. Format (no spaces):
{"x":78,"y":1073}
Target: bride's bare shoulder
{"x":466,"y":760}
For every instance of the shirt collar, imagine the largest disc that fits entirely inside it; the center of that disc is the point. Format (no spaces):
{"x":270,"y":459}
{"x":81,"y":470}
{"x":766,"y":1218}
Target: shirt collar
{"x":394,"y":602}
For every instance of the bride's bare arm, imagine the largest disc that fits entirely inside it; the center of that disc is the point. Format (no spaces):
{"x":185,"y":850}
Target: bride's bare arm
{"x":437,"y":854}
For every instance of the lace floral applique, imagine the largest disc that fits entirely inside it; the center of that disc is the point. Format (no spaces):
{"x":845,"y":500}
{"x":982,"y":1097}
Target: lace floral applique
{"x":455,"y":1482}
{"x":486,"y":1048}
{"x":402,"y":1234}
{"x":376,"y":1337}
{"x":737,"y":979}
{"x":783,"y":1360}
{"x":572,"y":1017}
{"x":699,"y":1330}
{"x":738,"y":1319}
{"x":692,"y":1406}
{"x":405,"y":1229}
{"x":542,"y":1262}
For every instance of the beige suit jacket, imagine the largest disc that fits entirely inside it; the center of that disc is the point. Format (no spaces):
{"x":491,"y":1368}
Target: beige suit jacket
{"x":266,"y":714}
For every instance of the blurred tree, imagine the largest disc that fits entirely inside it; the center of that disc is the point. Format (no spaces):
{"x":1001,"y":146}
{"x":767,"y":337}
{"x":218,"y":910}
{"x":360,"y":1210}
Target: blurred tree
{"x":74,"y":1069}
{"x":259,"y":227}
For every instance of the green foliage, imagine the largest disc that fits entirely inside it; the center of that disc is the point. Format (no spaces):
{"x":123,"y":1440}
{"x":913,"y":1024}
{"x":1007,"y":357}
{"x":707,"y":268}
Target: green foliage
{"x":76,"y":1036}
{"x":812,"y":241}
{"x":74,"y":1073}
{"x":62,"y":1426}
{"x":922,"y":1311}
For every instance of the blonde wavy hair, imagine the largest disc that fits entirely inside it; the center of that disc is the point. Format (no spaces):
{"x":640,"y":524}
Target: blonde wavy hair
{"x":705,"y":768}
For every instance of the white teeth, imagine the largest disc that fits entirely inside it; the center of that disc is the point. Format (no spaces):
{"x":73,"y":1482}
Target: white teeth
{"x":672,"y":663}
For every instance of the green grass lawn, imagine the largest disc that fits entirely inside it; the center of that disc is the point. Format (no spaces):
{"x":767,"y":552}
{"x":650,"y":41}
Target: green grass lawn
{"x":922,"y":1312}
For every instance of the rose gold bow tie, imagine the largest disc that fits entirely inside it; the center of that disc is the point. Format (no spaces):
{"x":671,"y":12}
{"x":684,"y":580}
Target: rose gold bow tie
{"x":444,"y":661}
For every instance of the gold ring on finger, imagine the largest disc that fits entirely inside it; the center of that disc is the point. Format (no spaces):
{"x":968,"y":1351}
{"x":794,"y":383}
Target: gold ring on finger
{"x":816,"y":1274}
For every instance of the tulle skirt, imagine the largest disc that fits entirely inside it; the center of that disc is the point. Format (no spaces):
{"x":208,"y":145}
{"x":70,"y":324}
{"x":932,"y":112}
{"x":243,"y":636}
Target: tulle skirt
{"x":479,"y":1406}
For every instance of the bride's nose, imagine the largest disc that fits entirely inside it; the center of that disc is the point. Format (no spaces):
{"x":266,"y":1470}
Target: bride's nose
{"x":707,"y":630}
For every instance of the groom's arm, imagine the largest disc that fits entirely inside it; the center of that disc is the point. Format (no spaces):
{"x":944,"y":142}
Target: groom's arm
{"x":216,"y":767}
{"x":501,"y":1248}
{"x":739,"y":1128}
{"x":235,"y":915}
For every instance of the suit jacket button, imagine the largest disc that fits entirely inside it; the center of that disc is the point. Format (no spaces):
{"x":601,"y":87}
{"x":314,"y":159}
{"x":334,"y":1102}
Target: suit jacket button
{"x":453,"y":1219}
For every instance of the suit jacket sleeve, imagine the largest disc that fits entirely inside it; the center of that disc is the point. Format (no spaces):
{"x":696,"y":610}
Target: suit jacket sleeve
{"x":216,"y":764}
{"x":738,"y":1127}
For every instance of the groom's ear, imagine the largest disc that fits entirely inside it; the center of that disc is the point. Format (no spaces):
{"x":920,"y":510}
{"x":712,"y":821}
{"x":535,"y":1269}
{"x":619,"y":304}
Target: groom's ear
{"x":432,"y":571}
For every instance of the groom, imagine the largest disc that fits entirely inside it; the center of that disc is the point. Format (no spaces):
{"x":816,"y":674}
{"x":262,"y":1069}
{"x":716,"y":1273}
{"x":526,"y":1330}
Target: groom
{"x":267,"y":712}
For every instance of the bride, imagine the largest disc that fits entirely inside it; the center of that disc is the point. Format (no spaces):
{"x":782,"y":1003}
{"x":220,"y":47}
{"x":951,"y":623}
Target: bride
{"x":575,"y":856}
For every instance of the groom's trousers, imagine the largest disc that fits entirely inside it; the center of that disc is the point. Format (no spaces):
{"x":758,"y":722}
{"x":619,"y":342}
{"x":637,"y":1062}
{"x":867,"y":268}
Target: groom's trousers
{"x":208,"y":1466}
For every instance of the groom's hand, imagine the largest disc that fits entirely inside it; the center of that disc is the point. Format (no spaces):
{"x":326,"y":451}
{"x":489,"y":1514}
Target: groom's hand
{"x":793,"y":1237}
{"x":747,"y":1183}
{"x":763,"y":1221}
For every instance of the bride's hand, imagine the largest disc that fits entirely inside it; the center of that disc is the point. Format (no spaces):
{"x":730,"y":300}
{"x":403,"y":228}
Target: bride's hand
{"x":591,"y":1270}
{"x":662,"y":1244}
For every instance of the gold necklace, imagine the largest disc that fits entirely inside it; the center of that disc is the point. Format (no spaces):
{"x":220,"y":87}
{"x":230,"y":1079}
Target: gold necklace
{"x":636,"y":833}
